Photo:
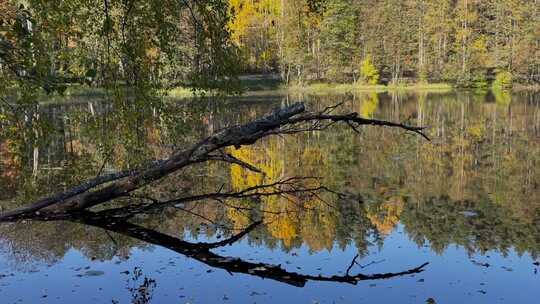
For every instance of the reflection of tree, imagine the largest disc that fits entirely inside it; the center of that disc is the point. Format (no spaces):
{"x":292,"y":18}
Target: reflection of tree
{"x":48,"y":242}
{"x":484,"y":153}
{"x":369,"y":105}
{"x":386,"y":215}
{"x":477,"y":226}
{"x":282,"y":224}
{"x":10,"y":165}
{"x":202,"y":252}
{"x":318,"y":225}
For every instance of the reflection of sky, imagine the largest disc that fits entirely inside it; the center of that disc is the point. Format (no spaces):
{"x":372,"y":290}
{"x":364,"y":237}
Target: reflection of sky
{"x":449,"y":278}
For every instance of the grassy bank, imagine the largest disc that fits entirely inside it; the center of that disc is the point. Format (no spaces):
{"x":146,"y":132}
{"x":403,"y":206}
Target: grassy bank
{"x":526,"y":87}
{"x":261,"y":87}
{"x":325,"y":88}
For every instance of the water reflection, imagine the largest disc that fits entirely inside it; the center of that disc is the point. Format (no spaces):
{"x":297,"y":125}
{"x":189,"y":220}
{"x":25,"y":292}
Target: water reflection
{"x":476,"y":185}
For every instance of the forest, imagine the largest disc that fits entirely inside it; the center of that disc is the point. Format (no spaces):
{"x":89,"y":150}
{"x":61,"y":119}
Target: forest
{"x":465,"y":42}
{"x":207,"y":44}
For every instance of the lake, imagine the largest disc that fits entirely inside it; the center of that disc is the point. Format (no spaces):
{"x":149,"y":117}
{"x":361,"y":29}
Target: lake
{"x":467,"y":203}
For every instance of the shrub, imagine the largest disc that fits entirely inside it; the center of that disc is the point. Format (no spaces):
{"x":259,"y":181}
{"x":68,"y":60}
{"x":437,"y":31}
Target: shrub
{"x":503,"y":80}
{"x":369,"y":72}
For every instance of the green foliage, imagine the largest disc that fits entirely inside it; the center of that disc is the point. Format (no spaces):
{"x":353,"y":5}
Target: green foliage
{"x":500,"y":87}
{"x":338,"y":34}
{"x":369,"y":72}
{"x":476,"y":80}
{"x":141,"y":48}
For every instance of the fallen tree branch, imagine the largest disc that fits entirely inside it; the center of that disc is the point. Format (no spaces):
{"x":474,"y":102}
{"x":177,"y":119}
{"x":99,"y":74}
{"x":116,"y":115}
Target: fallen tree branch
{"x":353,"y":118}
{"x":58,"y":197}
{"x":286,"y":120}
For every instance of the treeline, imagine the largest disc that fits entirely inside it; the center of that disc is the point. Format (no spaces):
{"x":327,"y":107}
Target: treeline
{"x":469,"y":43}
{"x":151,"y":45}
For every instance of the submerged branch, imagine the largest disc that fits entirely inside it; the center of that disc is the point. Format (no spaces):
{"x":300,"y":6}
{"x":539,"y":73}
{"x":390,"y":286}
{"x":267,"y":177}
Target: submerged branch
{"x":233,"y":160}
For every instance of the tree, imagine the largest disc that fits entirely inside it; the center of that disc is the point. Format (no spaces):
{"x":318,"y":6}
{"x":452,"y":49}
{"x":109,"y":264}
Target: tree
{"x":503,"y":80}
{"x":254,"y":30}
{"x":144,"y":45}
{"x":300,"y":44}
{"x":463,"y":42}
{"x":338,"y":39}
{"x":369,"y":72}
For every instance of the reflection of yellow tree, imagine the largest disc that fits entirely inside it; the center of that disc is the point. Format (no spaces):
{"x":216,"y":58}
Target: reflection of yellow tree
{"x":269,"y":159}
{"x":386,"y":216}
{"x":266,"y":157}
{"x":286,"y":218}
{"x":502,"y":97}
{"x":238,"y":216}
{"x":476,"y":130}
{"x":369,"y":105}
{"x":240,"y":177}
{"x":281,"y":222}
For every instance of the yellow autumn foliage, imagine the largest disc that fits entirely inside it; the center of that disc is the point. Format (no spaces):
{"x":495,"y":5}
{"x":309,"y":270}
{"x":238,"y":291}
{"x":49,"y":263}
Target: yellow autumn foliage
{"x":267,"y":158}
{"x":386,"y":216}
{"x":281,"y":226}
{"x":369,"y":105}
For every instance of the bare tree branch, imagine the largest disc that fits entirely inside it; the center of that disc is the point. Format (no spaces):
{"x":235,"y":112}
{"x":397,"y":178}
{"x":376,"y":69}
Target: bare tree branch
{"x":233,"y":160}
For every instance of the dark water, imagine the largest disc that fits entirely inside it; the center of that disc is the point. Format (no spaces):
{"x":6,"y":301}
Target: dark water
{"x":468,"y":202}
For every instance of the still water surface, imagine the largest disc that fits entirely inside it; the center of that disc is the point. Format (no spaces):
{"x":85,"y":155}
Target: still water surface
{"x":468,"y":202}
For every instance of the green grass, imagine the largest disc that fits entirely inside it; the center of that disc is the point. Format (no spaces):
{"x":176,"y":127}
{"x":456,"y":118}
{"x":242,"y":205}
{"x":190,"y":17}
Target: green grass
{"x":256,"y":87}
{"x":320,"y":88}
{"x":180,"y":92}
{"x":83,"y":90}
{"x":421,"y":87}
{"x":260,"y":86}
{"x":324,"y":88}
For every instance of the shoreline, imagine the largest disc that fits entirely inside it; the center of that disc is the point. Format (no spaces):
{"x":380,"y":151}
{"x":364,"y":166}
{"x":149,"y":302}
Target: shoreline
{"x":274,"y":89}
